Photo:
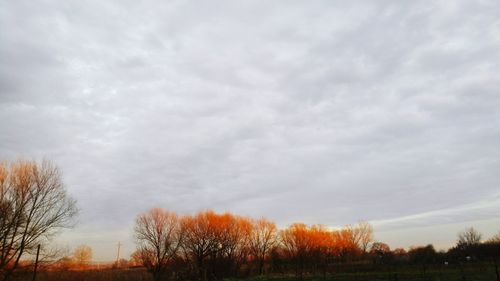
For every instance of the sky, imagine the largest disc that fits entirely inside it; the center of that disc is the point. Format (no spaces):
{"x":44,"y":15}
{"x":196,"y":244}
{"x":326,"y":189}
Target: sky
{"x":322,"y":112}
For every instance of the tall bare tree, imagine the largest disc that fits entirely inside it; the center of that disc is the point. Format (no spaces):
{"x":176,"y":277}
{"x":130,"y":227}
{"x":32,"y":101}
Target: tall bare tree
{"x":33,"y":206}
{"x":263,"y":237}
{"x":362,"y":234}
{"x":468,"y":237}
{"x":234,"y":235}
{"x":159,"y":236}
{"x":298,"y":244}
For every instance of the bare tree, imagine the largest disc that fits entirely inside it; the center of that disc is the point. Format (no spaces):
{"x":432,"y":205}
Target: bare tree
{"x":83,"y":255}
{"x":33,"y":206}
{"x":468,"y":237}
{"x":262,"y":239}
{"x":361,"y":234}
{"x":233,"y":239}
{"x":159,"y":236}
{"x":495,"y":238}
{"x":297,"y":243}
{"x":203,"y":233}
{"x":365,"y":235}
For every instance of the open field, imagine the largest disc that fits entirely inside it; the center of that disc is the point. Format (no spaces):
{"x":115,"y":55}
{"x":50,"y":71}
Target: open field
{"x":479,"y":272}
{"x":90,"y":275}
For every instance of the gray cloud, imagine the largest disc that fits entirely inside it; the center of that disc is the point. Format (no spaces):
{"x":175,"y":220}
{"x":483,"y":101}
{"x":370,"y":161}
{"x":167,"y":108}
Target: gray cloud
{"x":323,"y":112}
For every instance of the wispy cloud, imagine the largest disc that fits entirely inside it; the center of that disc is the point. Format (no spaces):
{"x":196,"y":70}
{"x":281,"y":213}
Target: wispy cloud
{"x":483,"y":209}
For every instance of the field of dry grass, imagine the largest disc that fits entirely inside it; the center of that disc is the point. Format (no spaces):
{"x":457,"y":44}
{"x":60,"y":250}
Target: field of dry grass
{"x":479,"y":272}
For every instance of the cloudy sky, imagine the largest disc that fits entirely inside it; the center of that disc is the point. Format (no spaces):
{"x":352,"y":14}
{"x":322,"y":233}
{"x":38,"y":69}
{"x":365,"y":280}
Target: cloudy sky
{"x":314,"y":111}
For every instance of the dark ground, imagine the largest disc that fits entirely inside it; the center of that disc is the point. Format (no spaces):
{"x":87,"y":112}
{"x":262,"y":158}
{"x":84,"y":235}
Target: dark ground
{"x":478,"y":272}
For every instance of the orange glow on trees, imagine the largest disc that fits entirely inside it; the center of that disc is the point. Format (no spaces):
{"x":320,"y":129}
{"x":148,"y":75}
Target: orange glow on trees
{"x":218,"y":241}
{"x":159,"y":236}
{"x":298,"y":243}
{"x":345,"y":246}
{"x":202,"y":231}
{"x":83,"y":256}
{"x":212,"y":246}
{"x":263,"y":237}
{"x":33,"y":206}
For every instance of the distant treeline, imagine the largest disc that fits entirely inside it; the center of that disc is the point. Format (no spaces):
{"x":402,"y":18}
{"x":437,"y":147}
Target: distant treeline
{"x":212,"y":246}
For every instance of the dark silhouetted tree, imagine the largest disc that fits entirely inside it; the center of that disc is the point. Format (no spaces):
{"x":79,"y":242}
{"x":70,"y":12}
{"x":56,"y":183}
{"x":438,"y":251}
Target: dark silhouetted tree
{"x":380,"y":252}
{"x":423,"y":256}
{"x":468,"y":237}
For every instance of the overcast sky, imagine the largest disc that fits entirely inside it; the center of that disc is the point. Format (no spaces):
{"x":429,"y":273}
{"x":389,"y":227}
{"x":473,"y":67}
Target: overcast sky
{"x":313,"y":111}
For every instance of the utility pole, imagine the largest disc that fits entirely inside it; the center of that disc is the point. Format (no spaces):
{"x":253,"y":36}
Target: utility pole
{"x":118,"y":254}
{"x":36,"y":262}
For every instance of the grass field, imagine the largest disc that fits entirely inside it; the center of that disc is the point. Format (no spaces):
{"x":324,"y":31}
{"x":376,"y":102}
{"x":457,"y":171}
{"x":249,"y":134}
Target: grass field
{"x":471,"y":273}
{"x":450,"y":274}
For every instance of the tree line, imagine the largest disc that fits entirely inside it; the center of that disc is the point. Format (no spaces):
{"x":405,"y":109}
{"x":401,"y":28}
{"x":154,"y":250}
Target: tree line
{"x":210,"y":246}
{"x":213,"y":246}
